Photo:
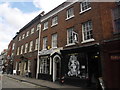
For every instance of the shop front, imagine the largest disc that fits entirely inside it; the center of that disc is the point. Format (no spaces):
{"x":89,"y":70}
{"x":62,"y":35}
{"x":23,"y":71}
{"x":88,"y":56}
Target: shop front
{"x":81,"y":65}
{"x":111,"y":63}
{"x":49,"y":64}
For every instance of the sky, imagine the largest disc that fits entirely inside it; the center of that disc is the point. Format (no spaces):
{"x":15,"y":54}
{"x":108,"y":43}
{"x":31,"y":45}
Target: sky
{"x":14,"y":14}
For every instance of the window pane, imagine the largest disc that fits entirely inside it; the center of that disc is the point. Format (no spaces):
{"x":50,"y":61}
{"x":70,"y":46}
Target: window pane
{"x":87,"y":30}
{"x":70,"y":36}
{"x":54,"y":40}
{"x":70,"y":12}
{"x":45,"y":43}
{"x":117,"y":25}
{"x":85,"y":5}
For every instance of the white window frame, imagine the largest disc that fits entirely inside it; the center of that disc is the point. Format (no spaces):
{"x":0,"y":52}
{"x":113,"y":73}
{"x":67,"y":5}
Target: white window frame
{"x":87,"y":28}
{"x":36,"y":43}
{"x":54,"y":21}
{"x":38,"y":27}
{"x":32,"y":30}
{"x":29,"y":65}
{"x":13,"y":46}
{"x":54,"y":40}
{"x":45,"y":25}
{"x":23,"y":36}
{"x":44,"y":43}
{"x":18,"y":50}
{"x":31,"y":46}
{"x":70,"y":13}
{"x":27,"y":33}
{"x":26,"y":47}
{"x":85,"y":3}
{"x":22,"y":49}
{"x":44,"y":65}
{"x":68,"y":40}
{"x":19,"y":38}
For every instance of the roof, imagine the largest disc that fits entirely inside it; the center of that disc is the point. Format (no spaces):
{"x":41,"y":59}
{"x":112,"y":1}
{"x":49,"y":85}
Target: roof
{"x":30,"y":23}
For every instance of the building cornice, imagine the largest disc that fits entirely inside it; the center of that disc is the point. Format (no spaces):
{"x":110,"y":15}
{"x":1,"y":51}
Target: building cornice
{"x":57,"y":10}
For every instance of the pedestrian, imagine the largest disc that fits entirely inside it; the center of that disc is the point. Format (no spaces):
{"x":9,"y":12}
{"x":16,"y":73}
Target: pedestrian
{"x":3,"y":69}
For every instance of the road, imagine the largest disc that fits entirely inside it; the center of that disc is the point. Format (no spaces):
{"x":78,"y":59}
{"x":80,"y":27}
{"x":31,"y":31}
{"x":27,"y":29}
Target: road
{"x":12,"y":83}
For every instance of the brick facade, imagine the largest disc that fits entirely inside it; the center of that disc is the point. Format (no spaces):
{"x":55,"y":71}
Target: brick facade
{"x":52,"y":63}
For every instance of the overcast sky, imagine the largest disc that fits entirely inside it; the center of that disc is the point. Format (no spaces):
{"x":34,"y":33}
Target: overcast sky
{"x":14,"y":15}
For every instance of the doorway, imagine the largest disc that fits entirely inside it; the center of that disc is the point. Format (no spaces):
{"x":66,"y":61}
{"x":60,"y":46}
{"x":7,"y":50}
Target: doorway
{"x":56,"y":67}
{"x":94,"y":68}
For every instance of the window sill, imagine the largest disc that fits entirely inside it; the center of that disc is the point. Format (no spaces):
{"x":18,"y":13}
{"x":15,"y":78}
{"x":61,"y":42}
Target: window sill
{"x":43,"y":49}
{"x":70,"y":44}
{"x":90,"y":40}
{"x":54,"y":25}
{"x":70,"y":17}
{"x":45,"y":29}
{"x":37,"y":29}
{"x":85,"y":10}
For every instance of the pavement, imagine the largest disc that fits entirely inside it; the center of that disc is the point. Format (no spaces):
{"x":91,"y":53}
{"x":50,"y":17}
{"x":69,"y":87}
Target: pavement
{"x":45,"y":83}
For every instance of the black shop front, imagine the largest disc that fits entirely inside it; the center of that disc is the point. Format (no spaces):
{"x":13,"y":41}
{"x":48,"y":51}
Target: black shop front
{"x":111,"y":63}
{"x":81,"y":65}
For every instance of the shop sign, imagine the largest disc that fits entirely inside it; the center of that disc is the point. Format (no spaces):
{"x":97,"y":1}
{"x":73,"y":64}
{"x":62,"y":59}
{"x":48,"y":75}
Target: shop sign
{"x":115,"y":56}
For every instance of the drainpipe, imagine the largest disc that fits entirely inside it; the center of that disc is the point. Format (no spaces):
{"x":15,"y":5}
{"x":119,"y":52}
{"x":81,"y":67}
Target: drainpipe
{"x":38,"y":60}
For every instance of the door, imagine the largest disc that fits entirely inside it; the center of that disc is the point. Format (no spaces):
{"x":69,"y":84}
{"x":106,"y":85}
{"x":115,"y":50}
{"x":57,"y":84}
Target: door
{"x":56,"y":67}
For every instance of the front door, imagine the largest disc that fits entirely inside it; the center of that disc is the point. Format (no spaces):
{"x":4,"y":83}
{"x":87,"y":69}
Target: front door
{"x":94,"y":67}
{"x":56,"y":67}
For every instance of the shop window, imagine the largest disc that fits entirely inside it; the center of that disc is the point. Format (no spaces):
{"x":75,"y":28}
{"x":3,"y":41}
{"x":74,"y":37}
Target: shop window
{"x":44,"y":66}
{"x":29,"y":65}
{"x":116,"y":13}
{"x":76,"y":65}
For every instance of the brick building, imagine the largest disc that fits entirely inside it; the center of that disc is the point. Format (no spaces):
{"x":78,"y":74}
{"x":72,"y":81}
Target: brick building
{"x":26,"y":48}
{"x":71,"y":38}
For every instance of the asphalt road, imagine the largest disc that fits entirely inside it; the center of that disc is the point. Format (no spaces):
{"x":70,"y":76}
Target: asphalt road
{"x":12,"y":83}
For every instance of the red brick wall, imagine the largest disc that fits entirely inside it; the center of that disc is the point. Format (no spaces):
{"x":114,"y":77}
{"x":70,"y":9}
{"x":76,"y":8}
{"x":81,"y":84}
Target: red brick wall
{"x":101,"y":17}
